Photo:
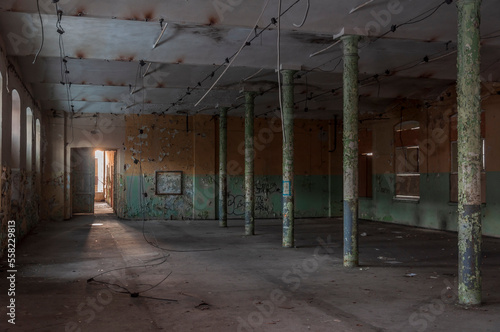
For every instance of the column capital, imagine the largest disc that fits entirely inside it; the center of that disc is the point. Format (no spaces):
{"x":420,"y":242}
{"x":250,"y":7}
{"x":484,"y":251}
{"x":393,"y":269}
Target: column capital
{"x":223,"y":106}
{"x":288,"y":76}
{"x":288,"y":71}
{"x":355,"y":38}
{"x":256,"y":87}
{"x":250,"y":96}
{"x":350,"y":43}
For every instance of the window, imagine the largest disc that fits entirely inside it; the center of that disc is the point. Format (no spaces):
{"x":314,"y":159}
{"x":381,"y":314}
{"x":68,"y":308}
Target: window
{"x":15,"y":151}
{"x":365,"y":163}
{"x":454,"y":159}
{"x":29,"y":140}
{"x":407,"y":160}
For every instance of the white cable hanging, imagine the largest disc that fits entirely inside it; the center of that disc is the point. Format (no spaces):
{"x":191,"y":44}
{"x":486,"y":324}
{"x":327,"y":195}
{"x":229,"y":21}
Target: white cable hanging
{"x":305,"y":16}
{"x":235,"y":57}
{"x":161,"y":35}
{"x":360,"y":6}
{"x":340,"y":34}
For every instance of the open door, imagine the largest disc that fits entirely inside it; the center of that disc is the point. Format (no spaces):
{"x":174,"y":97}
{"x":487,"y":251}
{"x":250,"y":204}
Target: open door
{"x":82,"y":179}
{"x":109,"y":183}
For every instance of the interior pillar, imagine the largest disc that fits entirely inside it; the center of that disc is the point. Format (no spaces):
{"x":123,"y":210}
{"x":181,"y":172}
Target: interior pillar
{"x":249,"y":164}
{"x":223,"y":167}
{"x":469,"y":153}
{"x":350,"y":159}
{"x":288,"y":166}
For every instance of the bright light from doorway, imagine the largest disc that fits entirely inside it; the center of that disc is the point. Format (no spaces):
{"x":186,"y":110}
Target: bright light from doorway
{"x":99,"y":171}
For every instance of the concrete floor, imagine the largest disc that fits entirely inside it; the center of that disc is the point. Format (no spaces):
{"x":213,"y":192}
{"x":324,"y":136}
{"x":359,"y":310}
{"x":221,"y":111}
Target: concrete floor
{"x":223,"y":281}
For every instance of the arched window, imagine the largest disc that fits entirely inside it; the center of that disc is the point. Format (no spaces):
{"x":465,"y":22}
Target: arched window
{"x":407,"y":159}
{"x":16,"y":130}
{"x":38,"y":136}
{"x":29,"y":140}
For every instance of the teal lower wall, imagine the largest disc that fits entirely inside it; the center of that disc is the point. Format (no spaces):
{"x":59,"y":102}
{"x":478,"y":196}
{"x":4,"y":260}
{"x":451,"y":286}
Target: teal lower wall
{"x":199,"y":199}
{"x":491,"y":211}
{"x":311,"y":196}
{"x":315,"y":196}
{"x":133,"y":203}
{"x":433,"y":209}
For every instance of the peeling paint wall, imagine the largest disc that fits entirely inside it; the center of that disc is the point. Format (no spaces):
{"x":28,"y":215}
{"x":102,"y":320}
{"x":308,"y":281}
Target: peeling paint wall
{"x":152,"y":144}
{"x":65,"y":133}
{"x":53,"y":181}
{"x":434,"y":209}
{"x":20,"y":198}
{"x":110,"y":177}
{"x":311,"y":168}
{"x":168,"y":143}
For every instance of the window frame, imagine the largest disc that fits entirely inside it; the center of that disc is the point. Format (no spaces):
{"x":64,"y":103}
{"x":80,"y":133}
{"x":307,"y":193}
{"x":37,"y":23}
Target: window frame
{"x":407,"y":170}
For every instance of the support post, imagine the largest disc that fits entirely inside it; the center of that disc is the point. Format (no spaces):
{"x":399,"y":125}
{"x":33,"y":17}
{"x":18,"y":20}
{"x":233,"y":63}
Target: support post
{"x":223,"y":167}
{"x":288,"y":166}
{"x":350,"y":141}
{"x":469,"y":153}
{"x":249,"y":164}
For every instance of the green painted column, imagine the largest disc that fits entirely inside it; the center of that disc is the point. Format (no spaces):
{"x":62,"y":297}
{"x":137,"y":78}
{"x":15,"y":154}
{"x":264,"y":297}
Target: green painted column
{"x":249,"y":164}
{"x":350,"y":141}
{"x":469,"y":153}
{"x":288,"y":166}
{"x":223,"y":167}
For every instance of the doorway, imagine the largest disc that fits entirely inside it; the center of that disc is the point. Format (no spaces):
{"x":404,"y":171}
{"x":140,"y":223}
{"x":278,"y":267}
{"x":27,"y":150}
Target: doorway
{"x":92,"y":180}
{"x":104,"y":189}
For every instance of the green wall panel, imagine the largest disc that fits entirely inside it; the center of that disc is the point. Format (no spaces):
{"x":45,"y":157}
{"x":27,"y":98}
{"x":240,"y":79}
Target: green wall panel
{"x":315,"y":196}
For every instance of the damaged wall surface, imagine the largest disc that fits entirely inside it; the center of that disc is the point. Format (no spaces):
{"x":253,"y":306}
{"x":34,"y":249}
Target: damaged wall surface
{"x":67,"y":132}
{"x":190,"y":145}
{"x":147,"y":144}
{"x":21,"y":148}
{"x":435,"y":207}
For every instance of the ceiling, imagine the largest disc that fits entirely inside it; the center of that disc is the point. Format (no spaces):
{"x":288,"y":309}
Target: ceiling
{"x":112,"y":66}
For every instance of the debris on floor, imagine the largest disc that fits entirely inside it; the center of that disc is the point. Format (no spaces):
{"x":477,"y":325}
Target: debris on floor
{"x":203,"y":306}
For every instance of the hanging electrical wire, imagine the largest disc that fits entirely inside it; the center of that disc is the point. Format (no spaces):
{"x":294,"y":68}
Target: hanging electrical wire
{"x":278,"y":69}
{"x":325,"y":49}
{"x":417,"y":19}
{"x":236,"y":55}
{"x":360,"y":6}
{"x":65,"y":81}
{"x":163,"y":28}
{"x":334,"y":68}
{"x":377,"y":78}
{"x":253,"y":75}
{"x":335,"y":37}
{"x":43,"y":33}
{"x":427,"y":14}
{"x":228,"y":59}
{"x":305,"y":16}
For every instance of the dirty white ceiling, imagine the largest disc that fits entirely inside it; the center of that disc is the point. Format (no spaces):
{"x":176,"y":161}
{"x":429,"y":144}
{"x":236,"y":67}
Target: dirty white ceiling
{"x":110,"y":65}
